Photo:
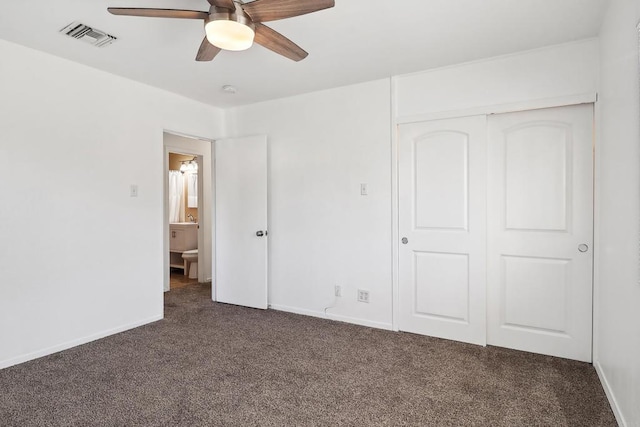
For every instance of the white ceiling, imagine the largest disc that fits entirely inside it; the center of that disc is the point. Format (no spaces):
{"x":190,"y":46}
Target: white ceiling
{"x":357,"y":41}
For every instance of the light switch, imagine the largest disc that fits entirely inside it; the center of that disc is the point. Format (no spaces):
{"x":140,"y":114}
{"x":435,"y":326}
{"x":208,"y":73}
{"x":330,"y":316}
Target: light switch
{"x":364,"y":189}
{"x":133,"y":190}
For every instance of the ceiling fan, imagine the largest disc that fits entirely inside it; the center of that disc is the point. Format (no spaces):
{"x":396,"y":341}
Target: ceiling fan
{"x":231,"y":25}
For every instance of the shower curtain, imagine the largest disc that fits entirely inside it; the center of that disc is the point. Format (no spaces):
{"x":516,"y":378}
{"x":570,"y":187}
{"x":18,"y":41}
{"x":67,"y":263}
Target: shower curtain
{"x":176,"y":196}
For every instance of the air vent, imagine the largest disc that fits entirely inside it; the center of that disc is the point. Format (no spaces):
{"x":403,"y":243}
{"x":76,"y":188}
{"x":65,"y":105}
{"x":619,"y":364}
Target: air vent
{"x":87,"y":34}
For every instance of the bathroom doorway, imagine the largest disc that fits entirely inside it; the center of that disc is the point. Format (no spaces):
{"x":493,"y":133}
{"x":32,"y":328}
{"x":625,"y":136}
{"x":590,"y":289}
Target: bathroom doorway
{"x":183,"y":219}
{"x":187,"y":211}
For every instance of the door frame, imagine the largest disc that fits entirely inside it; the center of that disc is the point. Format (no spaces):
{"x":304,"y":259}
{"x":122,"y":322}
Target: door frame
{"x":396,"y":121}
{"x":202,"y":148}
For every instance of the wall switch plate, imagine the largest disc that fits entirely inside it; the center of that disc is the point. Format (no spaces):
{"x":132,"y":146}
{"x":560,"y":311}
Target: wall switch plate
{"x":338,"y":291}
{"x":364,"y":189}
{"x":133,"y":190}
{"x":363,"y":296}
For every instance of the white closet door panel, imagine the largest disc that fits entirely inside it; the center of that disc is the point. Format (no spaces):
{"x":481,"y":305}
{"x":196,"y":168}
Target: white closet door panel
{"x":442,"y":285}
{"x":540,"y":210}
{"x":440,"y":181}
{"x":537,"y":177}
{"x":533,"y":286}
{"x":442,"y":175}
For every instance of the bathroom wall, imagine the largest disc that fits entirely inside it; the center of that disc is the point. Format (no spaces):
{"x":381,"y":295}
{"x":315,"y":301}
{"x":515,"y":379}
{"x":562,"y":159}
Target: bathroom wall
{"x":175,"y":161}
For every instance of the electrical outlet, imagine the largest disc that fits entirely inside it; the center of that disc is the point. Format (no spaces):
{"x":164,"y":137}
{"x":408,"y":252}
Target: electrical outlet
{"x":363,"y":296}
{"x":133,"y":190}
{"x":338,"y":291}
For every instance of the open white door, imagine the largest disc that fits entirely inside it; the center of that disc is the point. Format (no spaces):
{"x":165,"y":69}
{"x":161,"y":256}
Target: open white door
{"x":241,"y":221}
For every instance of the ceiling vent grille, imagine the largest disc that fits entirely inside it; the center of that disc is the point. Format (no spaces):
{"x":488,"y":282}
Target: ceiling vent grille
{"x":87,"y":34}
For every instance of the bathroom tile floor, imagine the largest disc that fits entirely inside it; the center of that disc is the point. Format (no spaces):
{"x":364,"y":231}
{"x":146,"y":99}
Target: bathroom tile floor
{"x":178,"y":280}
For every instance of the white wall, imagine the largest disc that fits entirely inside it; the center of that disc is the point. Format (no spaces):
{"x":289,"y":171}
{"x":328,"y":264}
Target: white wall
{"x":553,"y":72}
{"x":617,"y":321}
{"x":322,"y":232}
{"x":79,"y":257}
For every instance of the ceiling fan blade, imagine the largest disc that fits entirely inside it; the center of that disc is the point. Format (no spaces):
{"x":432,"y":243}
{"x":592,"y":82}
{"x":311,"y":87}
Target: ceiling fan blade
{"x":158,"y":13}
{"x":272,"y":10}
{"x":227,"y":4}
{"x":207,"y":51}
{"x":278,"y":43}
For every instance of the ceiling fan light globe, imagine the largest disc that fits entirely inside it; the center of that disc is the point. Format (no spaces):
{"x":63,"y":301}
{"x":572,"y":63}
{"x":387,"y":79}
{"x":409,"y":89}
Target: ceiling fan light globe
{"x":229,"y":35}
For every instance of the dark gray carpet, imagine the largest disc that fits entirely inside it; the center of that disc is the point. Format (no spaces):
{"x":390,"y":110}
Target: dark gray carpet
{"x":210,"y":364}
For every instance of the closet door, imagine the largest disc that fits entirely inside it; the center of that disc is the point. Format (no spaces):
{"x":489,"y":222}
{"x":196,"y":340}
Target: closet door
{"x":540,"y":218}
{"x":442,"y":218}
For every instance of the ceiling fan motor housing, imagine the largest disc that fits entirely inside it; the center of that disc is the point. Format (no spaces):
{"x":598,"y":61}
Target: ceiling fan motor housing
{"x":222,"y":14}
{"x":229,"y":29}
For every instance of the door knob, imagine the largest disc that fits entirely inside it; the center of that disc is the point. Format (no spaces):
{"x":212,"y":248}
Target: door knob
{"x":405,"y":240}
{"x":261,"y":233}
{"x":583,"y":248}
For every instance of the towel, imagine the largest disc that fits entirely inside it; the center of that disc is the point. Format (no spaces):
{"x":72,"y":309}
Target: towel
{"x":192,"y":191}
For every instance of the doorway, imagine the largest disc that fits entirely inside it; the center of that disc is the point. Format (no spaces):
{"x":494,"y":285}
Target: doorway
{"x":234,"y":185}
{"x":183,"y":219}
{"x":188,"y":223}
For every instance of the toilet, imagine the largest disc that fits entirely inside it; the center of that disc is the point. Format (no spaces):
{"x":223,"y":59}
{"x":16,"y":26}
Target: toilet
{"x":191,"y":263}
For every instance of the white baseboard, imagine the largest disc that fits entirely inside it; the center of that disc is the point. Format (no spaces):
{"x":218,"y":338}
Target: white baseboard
{"x":361,"y":322}
{"x":612,"y":399}
{"x":296,"y":310}
{"x":336,"y":317}
{"x":74,"y":343}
